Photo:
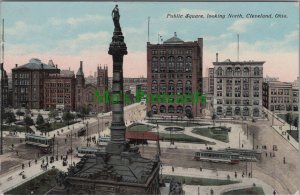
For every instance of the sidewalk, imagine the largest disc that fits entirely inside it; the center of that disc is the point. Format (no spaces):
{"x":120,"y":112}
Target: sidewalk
{"x":214,"y":174}
{"x":12,"y":179}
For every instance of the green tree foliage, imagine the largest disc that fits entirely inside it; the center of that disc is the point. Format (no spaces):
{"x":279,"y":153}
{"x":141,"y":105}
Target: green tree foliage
{"x":9,"y":117}
{"x":28,"y":121}
{"x":67,"y":116}
{"x":40,"y":120}
{"x":53,"y":113}
{"x":20,"y":113}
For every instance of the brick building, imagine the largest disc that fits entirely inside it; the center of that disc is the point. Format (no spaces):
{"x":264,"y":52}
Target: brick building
{"x":59,"y":91}
{"x":238,"y":88}
{"x":28,"y":83}
{"x":174,"y":68}
{"x":211,"y":81}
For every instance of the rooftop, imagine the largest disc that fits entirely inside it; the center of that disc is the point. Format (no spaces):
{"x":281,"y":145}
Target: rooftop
{"x":174,"y":40}
{"x":36,"y":64}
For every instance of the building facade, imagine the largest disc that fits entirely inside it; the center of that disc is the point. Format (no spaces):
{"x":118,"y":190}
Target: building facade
{"x":280,"y":96}
{"x":238,"y":89}
{"x":59,"y":91}
{"x":4,"y":88}
{"x":174,"y":68}
{"x":86,"y":93}
{"x":211,"y":81}
{"x":28,"y":83}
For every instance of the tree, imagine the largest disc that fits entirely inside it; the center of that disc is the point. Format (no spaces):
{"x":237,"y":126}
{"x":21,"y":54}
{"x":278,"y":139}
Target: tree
{"x":67,"y":116}
{"x":20,"y":113}
{"x":289,"y":119}
{"x":28,"y":121}
{"x":10,"y":117}
{"x":53,"y":114}
{"x":82,"y":112}
{"x":295,"y":123}
{"x":213,"y":118}
{"x":40,"y":120}
{"x":149,"y":113}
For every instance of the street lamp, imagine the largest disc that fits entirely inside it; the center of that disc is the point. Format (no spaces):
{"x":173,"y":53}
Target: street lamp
{"x":87,"y":133}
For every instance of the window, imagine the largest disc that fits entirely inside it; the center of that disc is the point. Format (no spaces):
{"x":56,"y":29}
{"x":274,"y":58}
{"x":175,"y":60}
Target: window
{"x":154,"y":109}
{"x":256,"y":71}
{"x":228,"y":72}
{"x":219,"y":101}
{"x":162,"y":109}
{"x":171,"y":109}
{"x":246,"y":71}
{"x":171,"y":64}
{"x":179,"y":64}
{"x":237,"y":71}
{"x":237,"y":102}
{"x":245,"y":111}
{"x":219,"y":87}
{"x":162,"y":86}
{"x":219,"y":71}
{"x":255,"y":94}
{"x":188,"y":86}
{"x":154,"y":86}
{"x":219,"y":93}
{"x":179,"y":87}
{"x":237,"y":111}
{"x":188,"y":64}
{"x":179,"y":109}
{"x":162,"y":64}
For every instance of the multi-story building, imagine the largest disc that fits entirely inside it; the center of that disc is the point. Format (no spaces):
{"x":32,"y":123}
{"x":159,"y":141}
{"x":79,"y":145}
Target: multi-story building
{"x":280,"y":96}
{"x":238,"y":88}
{"x":205,"y":85}
{"x":268,"y":79}
{"x":130,"y":84}
{"x":4,"y":87}
{"x":28,"y":83}
{"x":211,"y":81}
{"x":174,"y":68}
{"x":59,"y":91}
{"x":86,"y":93}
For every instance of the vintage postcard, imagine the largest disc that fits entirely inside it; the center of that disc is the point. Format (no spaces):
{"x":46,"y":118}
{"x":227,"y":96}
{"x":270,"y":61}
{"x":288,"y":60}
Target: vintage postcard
{"x":166,"y":98}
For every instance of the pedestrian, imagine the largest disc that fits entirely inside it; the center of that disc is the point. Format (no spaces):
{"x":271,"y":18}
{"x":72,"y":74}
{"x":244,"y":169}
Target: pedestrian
{"x":235,"y":174}
{"x":172,"y":169}
{"x":242,"y":145}
{"x":249,"y":174}
{"x":17,"y":152}
{"x":38,"y":154}
{"x":270,"y":154}
{"x":35,"y":161}
{"x":266,"y":154}
{"x":23,"y":166}
{"x":274,"y":192}
{"x":200,"y":168}
{"x":283,"y":160}
{"x":29,"y":163}
{"x":65,"y":140}
{"x":61,"y":157}
{"x":256,"y":146}
{"x":12,"y":145}
{"x":243,"y":175}
{"x":211,"y":191}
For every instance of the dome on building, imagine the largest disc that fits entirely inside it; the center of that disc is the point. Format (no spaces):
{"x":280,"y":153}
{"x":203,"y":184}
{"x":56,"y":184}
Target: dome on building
{"x":174,"y":40}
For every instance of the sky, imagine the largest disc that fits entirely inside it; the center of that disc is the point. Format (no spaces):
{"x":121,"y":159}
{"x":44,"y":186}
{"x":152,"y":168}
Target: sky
{"x":72,"y":32}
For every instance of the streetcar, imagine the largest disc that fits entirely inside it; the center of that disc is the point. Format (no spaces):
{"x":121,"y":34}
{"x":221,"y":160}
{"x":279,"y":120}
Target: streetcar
{"x":81,"y":132}
{"x":217,"y":156}
{"x":103,"y":140}
{"x":86,"y":151}
{"x":245,"y":154}
{"x":44,"y":143}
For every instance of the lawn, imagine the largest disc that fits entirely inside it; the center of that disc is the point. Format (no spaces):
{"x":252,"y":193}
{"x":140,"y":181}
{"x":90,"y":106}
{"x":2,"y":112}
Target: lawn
{"x":16,"y":128}
{"x":139,"y":127}
{"x":180,"y":124}
{"x":199,"y":181}
{"x":283,"y":116}
{"x":246,"y":191}
{"x":183,"y":138}
{"x":54,"y":126}
{"x":294,"y":134}
{"x":38,"y":185}
{"x":218,"y":134}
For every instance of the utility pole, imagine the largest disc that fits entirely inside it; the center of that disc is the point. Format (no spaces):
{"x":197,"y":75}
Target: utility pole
{"x":247,"y":131}
{"x":253,"y":140}
{"x":87,"y":133}
{"x":72,"y":144}
{"x":1,"y":72}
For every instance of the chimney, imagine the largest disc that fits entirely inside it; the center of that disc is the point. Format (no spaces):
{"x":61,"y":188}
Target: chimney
{"x":16,"y":65}
{"x":175,"y":34}
{"x":81,"y":65}
{"x":42,"y":65}
{"x":217,"y":57}
{"x":56,"y":66}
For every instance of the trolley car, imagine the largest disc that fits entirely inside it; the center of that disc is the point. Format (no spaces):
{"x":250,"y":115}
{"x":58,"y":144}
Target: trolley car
{"x":44,"y":143}
{"x":245,"y":154}
{"x":217,"y":156}
{"x":81,"y":132}
{"x":86,"y":151}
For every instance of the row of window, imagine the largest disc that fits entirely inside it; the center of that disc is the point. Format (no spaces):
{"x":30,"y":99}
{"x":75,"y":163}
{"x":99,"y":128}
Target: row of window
{"x":229,"y":111}
{"x":237,"y":102}
{"x":171,"y":65}
{"x":237,"y":94}
{"x":170,"y":109}
{"x":172,"y":52}
{"x":171,"y":76}
{"x":237,"y":71}
{"x":283,"y":107}
{"x":171,"y":86}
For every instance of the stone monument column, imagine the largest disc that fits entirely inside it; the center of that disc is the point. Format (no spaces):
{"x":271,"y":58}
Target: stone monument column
{"x":117,"y":49}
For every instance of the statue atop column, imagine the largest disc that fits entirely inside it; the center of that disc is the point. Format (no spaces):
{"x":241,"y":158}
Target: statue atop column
{"x":116,"y":18}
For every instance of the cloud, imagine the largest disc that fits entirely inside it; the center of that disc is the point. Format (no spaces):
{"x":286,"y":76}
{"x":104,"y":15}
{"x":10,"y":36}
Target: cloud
{"x":73,"y":21}
{"x":20,"y":28}
{"x":240,"y":25}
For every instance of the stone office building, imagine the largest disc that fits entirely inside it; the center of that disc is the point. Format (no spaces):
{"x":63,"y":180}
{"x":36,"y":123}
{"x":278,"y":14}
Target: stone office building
{"x":174,"y":68}
{"x":28,"y":83}
{"x":238,"y":88}
{"x":280,"y":96}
